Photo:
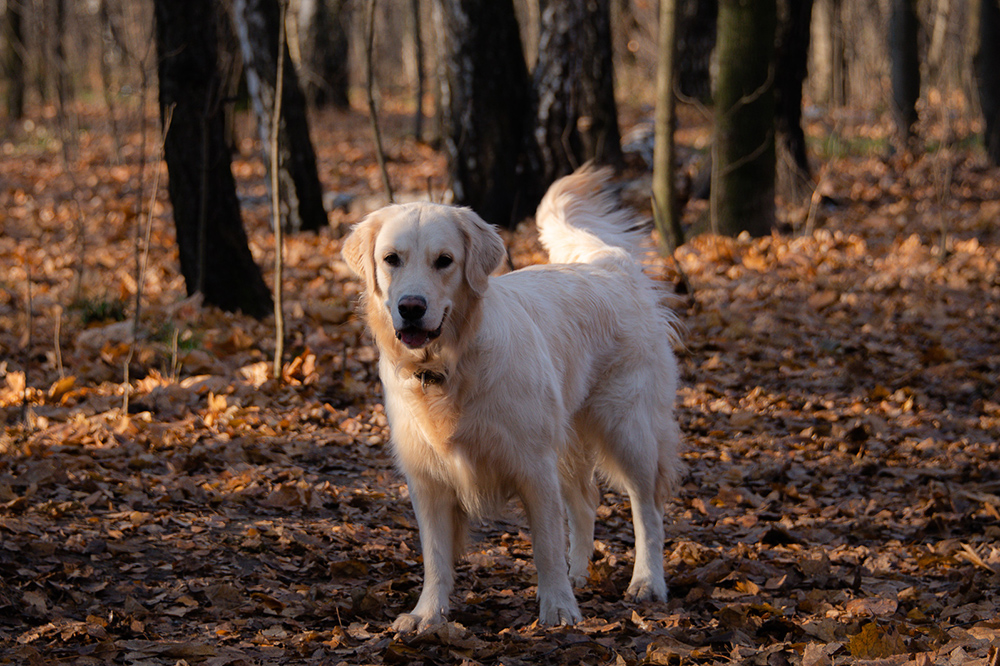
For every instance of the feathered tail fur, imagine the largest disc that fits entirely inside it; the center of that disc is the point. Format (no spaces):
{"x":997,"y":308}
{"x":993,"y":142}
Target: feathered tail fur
{"x":579,"y":222}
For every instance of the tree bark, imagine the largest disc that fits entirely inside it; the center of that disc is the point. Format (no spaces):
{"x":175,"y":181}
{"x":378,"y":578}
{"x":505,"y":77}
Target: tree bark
{"x":696,"y":32}
{"x":576,"y":115}
{"x":827,"y":82}
{"x":418,"y":41}
{"x":791,"y":66}
{"x":214,"y":255}
{"x":486,"y":103}
{"x":324,"y":63}
{"x":13,"y":59}
{"x":665,"y":212}
{"x":301,"y":194}
{"x":743,"y":163}
{"x":988,"y":76}
{"x":905,"y":58}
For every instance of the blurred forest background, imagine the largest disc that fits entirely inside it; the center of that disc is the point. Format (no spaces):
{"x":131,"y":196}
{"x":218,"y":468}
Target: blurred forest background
{"x":194,"y":464}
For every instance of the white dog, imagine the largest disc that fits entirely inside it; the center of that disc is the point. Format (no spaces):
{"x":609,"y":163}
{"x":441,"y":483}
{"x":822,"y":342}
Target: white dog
{"x":523,"y":384}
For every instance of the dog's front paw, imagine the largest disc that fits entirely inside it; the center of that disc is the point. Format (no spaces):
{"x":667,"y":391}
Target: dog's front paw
{"x":408,"y":623}
{"x":647,"y":590}
{"x":555,"y":612}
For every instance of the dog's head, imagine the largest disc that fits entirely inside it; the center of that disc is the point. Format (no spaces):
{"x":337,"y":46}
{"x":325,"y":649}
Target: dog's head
{"x":421,"y":261}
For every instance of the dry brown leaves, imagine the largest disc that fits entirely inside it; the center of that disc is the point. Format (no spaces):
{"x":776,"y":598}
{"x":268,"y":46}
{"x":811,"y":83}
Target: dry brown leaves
{"x":840,"y":406}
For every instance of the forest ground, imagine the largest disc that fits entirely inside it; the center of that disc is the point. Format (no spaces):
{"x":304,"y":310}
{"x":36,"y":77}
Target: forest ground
{"x":839,"y":404}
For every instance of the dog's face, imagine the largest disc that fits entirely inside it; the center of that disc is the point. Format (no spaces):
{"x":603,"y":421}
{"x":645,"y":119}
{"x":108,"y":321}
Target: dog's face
{"x":422,"y":261}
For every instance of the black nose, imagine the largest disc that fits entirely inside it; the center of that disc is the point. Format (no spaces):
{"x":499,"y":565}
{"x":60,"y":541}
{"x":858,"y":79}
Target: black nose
{"x":412,"y":308}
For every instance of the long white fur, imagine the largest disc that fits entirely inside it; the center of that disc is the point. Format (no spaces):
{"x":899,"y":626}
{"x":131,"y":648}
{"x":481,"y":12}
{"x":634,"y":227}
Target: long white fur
{"x":547,"y":375}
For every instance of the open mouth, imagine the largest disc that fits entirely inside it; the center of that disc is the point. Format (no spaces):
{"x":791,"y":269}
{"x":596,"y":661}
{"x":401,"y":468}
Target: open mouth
{"x":415,"y":337}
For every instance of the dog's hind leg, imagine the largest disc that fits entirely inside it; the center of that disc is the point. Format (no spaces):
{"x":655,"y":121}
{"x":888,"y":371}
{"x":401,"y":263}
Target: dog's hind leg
{"x":632,"y":461}
{"x":581,"y":497}
{"x":647,"y":582}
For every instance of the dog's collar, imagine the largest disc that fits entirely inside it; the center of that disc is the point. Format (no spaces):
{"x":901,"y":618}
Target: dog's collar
{"x":429,"y":378}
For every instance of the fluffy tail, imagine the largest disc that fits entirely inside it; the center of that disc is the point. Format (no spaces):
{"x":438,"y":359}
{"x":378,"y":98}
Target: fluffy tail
{"x":579,"y":222}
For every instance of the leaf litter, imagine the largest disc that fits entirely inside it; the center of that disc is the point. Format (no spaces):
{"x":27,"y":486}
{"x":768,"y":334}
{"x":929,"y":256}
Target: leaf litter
{"x":839,"y":401}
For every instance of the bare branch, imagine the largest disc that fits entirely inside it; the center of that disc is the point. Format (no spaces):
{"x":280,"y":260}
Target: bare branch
{"x":279,"y":317}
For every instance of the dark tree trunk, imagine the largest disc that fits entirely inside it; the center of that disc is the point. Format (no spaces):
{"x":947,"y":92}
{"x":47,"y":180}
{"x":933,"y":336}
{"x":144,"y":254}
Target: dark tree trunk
{"x":300,"y":192}
{"x":988,"y":76}
{"x":576,"y":115}
{"x":791,"y":65}
{"x":215,"y":257}
{"x":905,"y":58}
{"x":696,"y":29}
{"x":325,"y":51}
{"x":486,"y":103}
{"x":13,"y":58}
{"x":62,"y":66}
{"x":743,"y":170}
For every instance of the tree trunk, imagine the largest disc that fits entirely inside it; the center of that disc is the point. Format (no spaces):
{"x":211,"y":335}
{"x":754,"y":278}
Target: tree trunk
{"x":665,"y":213}
{"x":742,"y":196}
{"x":696,"y":27}
{"x":13,"y":59}
{"x":418,"y":41}
{"x":827,"y":80}
{"x":939,"y":34}
{"x":486,"y":104}
{"x":576,"y":116}
{"x":791,"y":65}
{"x":988,"y":76}
{"x":215,"y":258}
{"x":300,"y":192}
{"x":324,"y":62}
{"x":905,"y":58}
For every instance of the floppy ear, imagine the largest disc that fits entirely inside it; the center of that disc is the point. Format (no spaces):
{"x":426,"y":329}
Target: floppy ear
{"x":358,"y":250}
{"x":484,"y":250}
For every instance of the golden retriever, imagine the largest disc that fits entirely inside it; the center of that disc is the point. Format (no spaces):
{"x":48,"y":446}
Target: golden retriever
{"x":524,"y":384}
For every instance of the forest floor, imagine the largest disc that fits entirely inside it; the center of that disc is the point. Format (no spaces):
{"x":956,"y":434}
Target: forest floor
{"x":840,"y":404}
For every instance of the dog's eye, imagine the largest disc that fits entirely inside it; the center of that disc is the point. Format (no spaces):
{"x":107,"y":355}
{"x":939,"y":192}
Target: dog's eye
{"x":393,"y":259}
{"x":442,"y":262}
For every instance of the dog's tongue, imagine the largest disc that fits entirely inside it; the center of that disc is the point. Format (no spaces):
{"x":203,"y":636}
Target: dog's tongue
{"x":413,"y":337}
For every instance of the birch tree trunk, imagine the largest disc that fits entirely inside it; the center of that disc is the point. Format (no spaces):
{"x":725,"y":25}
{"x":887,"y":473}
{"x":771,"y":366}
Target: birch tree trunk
{"x":827,"y":83}
{"x":486,"y":108}
{"x":324,"y":62}
{"x":576,"y":114}
{"x":300,"y":193}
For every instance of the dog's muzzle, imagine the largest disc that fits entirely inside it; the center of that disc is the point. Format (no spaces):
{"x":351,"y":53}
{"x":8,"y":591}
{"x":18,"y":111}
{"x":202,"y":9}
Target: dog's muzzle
{"x":413,"y":333}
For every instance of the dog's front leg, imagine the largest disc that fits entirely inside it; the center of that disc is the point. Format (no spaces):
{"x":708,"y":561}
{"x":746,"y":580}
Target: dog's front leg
{"x":542,"y":502}
{"x":441,"y":521}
